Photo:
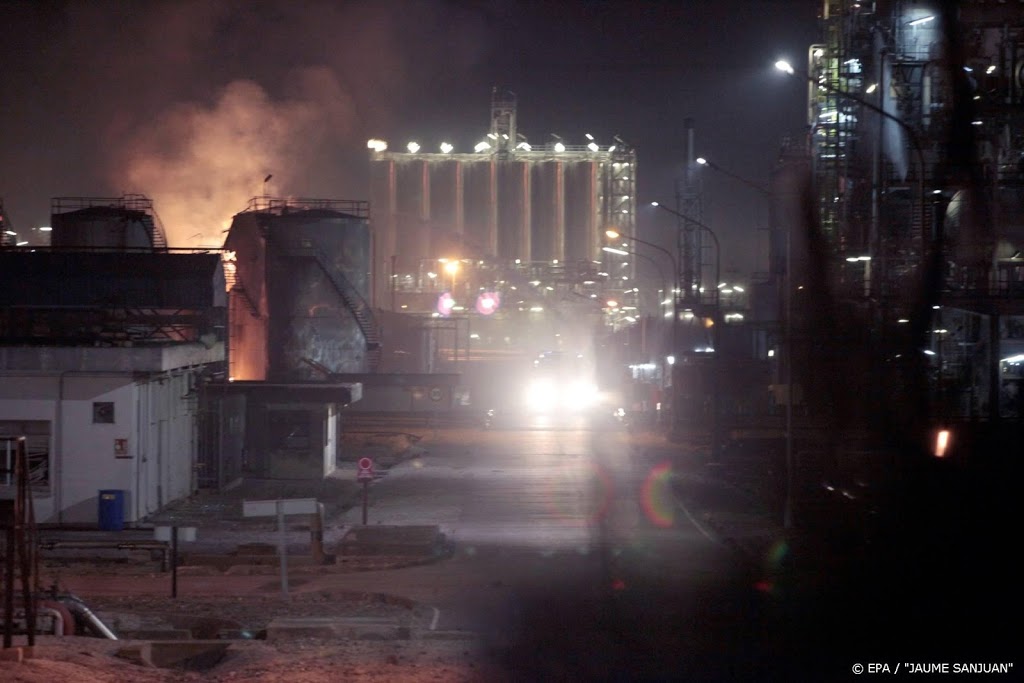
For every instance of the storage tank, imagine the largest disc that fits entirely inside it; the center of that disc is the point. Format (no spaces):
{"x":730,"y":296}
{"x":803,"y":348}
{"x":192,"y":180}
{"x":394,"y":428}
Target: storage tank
{"x":102,"y":224}
{"x":480,"y":204}
{"x":446,"y":215}
{"x":317,"y":260}
{"x":581,"y":211}
{"x":412,"y":214}
{"x":548,"y":238}
{"x":383,"y":196}
{"x":514,"y":210}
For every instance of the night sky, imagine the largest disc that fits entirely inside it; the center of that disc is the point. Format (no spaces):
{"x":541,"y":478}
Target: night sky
{"x":194,"y":103}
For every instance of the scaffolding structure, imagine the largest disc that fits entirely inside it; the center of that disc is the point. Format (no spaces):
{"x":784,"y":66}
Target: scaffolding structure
{"x":916,"y":154}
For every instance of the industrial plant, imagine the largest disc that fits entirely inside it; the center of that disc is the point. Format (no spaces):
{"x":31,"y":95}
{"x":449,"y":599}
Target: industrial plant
{"x":895,"y":270}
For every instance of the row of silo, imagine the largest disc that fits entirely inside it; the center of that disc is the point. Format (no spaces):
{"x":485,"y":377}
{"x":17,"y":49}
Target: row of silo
{"x":528,"y":207}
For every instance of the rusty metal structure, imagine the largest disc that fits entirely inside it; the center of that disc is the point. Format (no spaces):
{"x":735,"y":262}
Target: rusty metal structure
{"x":296,"y":272}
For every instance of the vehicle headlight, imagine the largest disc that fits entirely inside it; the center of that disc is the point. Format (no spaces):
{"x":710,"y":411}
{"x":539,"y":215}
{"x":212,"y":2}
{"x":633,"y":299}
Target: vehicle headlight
{"x":540,"y":394}
{"x":580,"y":394}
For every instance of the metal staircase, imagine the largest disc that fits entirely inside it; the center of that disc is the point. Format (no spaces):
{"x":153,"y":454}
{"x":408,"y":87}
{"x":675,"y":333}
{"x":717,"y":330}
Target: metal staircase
{"x":355,"y":303}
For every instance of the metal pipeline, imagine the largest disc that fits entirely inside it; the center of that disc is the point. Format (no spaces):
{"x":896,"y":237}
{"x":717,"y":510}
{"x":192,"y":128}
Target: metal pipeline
{"x":86,"y":615}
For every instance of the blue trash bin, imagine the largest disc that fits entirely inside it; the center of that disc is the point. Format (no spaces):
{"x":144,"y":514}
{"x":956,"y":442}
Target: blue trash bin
{"x":111,"y":512}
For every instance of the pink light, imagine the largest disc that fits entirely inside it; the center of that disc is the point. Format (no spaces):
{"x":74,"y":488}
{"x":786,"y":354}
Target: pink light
{"x":487,"y":303}
{"x":445,"y":303}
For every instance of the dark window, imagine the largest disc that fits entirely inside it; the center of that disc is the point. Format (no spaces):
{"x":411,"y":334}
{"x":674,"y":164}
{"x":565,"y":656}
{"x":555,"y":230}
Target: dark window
{"x":103,"y":412}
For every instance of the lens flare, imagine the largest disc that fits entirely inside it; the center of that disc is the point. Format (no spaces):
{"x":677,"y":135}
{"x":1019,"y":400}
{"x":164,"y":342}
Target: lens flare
{"x":656,"y":496}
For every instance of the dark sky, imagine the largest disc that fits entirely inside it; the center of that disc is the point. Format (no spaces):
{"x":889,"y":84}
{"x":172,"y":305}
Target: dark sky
{"x":194,"y":102}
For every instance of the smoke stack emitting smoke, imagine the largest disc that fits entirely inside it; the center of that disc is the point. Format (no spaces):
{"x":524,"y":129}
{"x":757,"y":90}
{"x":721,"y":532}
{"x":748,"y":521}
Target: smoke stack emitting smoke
{"x":201,"y":164}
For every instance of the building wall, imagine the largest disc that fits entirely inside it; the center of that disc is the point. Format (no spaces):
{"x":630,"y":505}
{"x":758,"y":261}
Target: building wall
{"x":147,"y":450}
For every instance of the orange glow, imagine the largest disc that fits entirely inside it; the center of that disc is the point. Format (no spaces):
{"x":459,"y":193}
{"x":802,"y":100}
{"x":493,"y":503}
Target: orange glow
{"x":942,"y":440}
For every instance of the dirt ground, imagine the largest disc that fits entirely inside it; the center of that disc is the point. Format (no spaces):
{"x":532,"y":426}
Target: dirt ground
{"x":250,"y":657}
{"x":92,"y":660}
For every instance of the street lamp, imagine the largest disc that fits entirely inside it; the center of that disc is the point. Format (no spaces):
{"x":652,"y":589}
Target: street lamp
{"x":615,"y":234}
{"x":749,"y":183}
{"x":787,"y":514}
{"x":714,"y":238}
{"x":452,"y":268}
{"x":716,"y":326}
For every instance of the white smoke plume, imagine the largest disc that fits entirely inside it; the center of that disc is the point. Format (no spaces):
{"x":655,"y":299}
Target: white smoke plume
{"x":202,"y":163}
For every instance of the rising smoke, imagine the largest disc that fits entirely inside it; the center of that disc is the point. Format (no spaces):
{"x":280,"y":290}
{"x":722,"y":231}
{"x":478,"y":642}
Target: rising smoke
{"x":201,"y":164}
{"x":194,"y":102}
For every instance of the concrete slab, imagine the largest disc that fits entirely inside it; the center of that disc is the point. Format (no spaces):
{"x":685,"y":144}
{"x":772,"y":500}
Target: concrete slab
{"x":334,"y":628}
{"x":192,"y":655}
{"x":447,"y":635}
{"x":406,"y":541}
{"x":156,"y":634}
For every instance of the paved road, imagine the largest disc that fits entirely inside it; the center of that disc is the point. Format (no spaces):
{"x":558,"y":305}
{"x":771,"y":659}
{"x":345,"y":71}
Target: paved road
{"x":571,"y":551}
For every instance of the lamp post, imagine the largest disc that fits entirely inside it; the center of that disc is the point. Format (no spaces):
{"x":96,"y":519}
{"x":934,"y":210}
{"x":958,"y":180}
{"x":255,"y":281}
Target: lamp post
{"x":715,"y":320}
{"x":784,"y":66}
{"x":787,"y":511}
{"x":667,"y":282}
{"x":615,"y":234}
{"x":714,"y":238}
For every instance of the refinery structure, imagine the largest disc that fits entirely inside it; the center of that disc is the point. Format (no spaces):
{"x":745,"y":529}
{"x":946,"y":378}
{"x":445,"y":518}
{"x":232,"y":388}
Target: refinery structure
{"x":915,"y":153}
{"x":508,"y":210}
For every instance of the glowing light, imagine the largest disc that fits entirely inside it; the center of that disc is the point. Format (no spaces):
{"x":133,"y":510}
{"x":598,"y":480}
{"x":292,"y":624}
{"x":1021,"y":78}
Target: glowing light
{"x":559,"y":147}
{"x":487,"y":303}
{"x":482,"y":146}
{"x":445,"y":304}
{"x":376,"y":145}
{"x":701,"y":160}
{"x":991,"y":69}
{"x":446,"y":148}
{"x":656,"y":496}
{"x":413,"y":147}
{"x":871,"y":88}
{"x":942,"y":439}
{"x":589,"y":137}
{"x":783,"y":65}
{"x":593,"y":147}
{"x":451,"y":267}
{"x":922,"y":20}
{"x":45,"y":228}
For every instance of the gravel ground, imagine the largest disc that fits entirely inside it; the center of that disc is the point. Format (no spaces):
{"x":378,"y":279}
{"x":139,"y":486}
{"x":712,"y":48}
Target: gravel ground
{"x":91,"y":660}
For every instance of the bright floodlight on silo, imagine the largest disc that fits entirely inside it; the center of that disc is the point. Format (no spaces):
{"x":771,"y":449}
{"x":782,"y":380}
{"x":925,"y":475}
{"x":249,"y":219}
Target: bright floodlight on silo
{"x":482,"y":146}
{"x":376,"y":145}
{"x":446,"y":148}
{"x":559,"y":147}
{"x":413,"y":147}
